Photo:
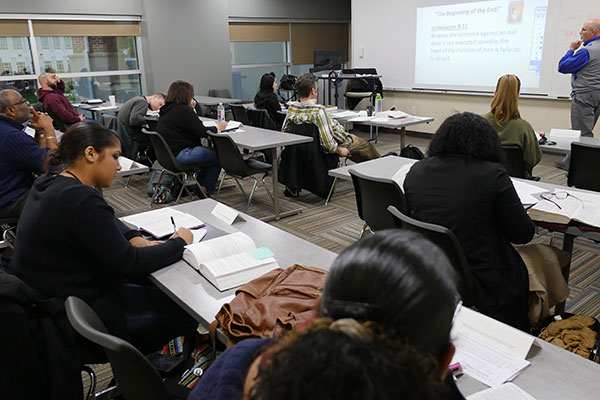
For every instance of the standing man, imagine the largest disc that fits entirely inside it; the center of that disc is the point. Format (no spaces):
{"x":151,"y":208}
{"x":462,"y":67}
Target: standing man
{"x":132,"y":115}
{"x":52,"y":95}
{"x":583,"y":63}
{"x":20,"y":154}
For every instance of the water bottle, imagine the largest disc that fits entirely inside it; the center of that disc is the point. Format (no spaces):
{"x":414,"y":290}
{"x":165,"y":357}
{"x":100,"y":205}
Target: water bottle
{"x":378,"y":103}
{"x":220,"y":112}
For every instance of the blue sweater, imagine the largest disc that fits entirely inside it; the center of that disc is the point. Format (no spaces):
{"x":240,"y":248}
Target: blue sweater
{"x":224,"y":379}
{"x":20,"y":156}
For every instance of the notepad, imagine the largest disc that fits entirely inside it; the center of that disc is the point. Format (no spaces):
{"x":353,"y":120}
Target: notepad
{"x":230,"y":124}
{"x":158,"y":222}
{"x":230,"y":261}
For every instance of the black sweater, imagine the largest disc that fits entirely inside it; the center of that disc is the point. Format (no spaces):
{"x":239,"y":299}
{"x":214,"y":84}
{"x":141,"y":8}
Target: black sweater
{"x":476,"y":200}
{"x":180,"y":127}
{"x":268,"y":101}
{"x":70,"y":243}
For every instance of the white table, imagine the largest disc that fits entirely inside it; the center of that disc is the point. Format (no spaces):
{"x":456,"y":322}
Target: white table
{"x":214,"y":101}
{"x":563,"y":145}
{"x":101,"y":108}
{"x":201,"y":299}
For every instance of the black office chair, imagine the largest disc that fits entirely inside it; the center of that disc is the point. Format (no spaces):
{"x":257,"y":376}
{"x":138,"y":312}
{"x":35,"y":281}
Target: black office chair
{"x":447,"y":242}
{"x":167,"y":160}
{"x":512,"y":159}
{"x":373,"y":196}
{"x":135,"y":376}
{"x":260,"y":118}
{"x":240,"y":114}
{"x":222,"y":93}
{"x":8,"y":227}
{"x":584,"y":166}
{"x":233,"y":163}
{"x":58,"y":124}
{"x":152,"y":122}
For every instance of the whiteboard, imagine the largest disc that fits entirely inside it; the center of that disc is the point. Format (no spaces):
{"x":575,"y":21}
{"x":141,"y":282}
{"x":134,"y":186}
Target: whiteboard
{"x":384,"y":37}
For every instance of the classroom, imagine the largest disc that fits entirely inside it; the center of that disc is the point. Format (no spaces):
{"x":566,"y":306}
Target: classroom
{"x":265,"y":199}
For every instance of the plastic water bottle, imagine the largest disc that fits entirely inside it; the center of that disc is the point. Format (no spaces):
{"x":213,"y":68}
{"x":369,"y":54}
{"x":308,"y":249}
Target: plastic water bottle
{"x":220,"y":112}
{"x":378,"y":103}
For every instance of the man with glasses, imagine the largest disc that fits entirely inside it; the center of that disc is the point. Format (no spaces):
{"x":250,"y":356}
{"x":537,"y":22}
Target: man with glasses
{"x":20,"y":155}
{"x":52,"y":95}
{"x":583,"y":63}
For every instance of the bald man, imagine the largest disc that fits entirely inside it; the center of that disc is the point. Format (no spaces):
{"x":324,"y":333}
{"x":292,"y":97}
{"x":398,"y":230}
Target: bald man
{"x":582,"y":61}
{"x":20,"y":154}
{"x":52,"y":95}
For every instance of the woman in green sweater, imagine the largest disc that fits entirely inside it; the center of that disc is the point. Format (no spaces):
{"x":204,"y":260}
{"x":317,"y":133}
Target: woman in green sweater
{"x":506,"y":120}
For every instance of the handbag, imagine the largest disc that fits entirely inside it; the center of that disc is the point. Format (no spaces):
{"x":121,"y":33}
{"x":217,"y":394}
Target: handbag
{"x":271,"y":304}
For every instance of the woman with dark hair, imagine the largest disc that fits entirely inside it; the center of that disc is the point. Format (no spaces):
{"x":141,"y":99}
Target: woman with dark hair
{"x":266,"y":97}
{"x":505,"y":118}
{"x":462,"y":185}
{"x":69,"y":243}
{"x":182,"y":130}
{"x":396,"y":279}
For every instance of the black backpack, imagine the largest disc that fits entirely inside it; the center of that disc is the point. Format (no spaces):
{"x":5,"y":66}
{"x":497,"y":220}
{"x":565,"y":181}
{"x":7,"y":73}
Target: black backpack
{"x":288,"y":82}
{"x":413,"y":152}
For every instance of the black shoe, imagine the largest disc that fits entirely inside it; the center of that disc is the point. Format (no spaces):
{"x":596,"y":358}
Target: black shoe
{"x":290,"y":193}
{"x":561,"y":165}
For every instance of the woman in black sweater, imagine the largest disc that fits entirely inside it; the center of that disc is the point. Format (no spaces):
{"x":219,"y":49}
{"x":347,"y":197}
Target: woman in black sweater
{"x":182,"y":130}
{"x":69,"y":243}
{"x":266,"y":97}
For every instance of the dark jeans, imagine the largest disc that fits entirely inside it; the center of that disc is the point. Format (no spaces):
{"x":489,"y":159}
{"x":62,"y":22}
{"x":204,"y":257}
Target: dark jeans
{"x":13,"y":208}
{"x":208,"y":175}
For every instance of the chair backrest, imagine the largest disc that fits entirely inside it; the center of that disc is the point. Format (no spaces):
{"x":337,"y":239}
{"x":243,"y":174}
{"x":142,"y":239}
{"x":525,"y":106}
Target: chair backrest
{"x":447,"y":242}
{"x":512,"y":159}
{"x":584,"y":166}
{"x":240,"y":114}
{"x":373,"y":197}
{"x":128,"y":148}
{"x":229,"y":155}
{"x":223,"y":93}
{"x":260,"y":118}
{"x":136,"y":377}
{"x":163,"y":153}
{"x":56,"y":122}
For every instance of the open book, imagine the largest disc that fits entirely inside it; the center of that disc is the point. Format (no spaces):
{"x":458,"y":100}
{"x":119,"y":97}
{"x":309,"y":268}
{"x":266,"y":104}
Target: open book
{"x":229,"y":261}
{"x":158,"y":222}
{"x":397,"y":114}
{"x":577,"y":206}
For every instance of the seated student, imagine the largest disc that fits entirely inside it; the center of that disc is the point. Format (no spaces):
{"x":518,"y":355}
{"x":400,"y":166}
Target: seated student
{"x":20,"y":155}
{"x":334,"y":139}
{"x":266,"y":97}
{"x":395,"y":278}
{"x":70,"y":243}
{"x":344,"y":359}
{"x":506,"y":120}
{"x":52,"y":95}
{"x":462,"y":185}
{"x":182,"y":130}
{"x":133,"y":115}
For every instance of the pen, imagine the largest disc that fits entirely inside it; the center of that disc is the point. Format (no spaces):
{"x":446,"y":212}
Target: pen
{"x":174,"y":226}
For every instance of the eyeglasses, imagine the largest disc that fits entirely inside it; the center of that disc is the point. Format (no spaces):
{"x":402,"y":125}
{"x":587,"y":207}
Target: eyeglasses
{"x":559,"y":196}
{"x":23,"y":100}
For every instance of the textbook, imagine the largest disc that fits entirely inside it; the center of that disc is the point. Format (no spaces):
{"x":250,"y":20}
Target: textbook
{"x":562,"y":207}
{"x":397,"y":114}
{"x":158,"y":222}
{"x":230,"y":261}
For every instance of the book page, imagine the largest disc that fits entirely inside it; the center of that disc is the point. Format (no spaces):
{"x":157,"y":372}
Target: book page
{"x":237,"y":270}
{"x":525,"y":191}
{"x":203,"y":252}
{"x":588,"y":211}
{"x":546,"y":210}
{"x":400,"y":176}
{"x":502,"y":392}
{"x":158,"y":222}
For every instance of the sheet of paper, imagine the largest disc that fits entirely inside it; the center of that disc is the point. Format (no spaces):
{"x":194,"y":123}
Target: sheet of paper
{"x":502,"y":392}
{"x":225,"y":213}
{"x":401,"y":174}
{"x":230,"y":124}
{"x":344,"y":114}
{"x":565,"y":133}
{"x":525,"y":191}
{"x":199,"y":234}
{"x":488,"y":350}
{"x":126,"y":163}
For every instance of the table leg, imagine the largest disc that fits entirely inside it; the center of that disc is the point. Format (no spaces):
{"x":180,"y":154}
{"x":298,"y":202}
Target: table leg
{"x":275,"y":172}
{"x":568,"y":247}
{"x":402,"y":137}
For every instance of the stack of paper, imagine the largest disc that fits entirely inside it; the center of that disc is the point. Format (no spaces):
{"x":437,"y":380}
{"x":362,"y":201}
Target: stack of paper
{"x":503,"y":392}
{"x":345,"y":114}
{"x":488,"y":350}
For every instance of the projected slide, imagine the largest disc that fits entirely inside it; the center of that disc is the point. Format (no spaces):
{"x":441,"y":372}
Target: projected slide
{"x":473,"y":44}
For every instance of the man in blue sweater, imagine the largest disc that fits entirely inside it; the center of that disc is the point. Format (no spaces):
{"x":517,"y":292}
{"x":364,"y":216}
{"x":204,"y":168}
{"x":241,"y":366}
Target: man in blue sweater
{"x":583,"y":63}
{"x":20,"y":155}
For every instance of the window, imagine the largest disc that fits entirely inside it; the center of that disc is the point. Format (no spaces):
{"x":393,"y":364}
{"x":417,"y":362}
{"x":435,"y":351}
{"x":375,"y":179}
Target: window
{"x":48,"y":66}
{"x":3,"y":43}
{"x":56,"y":42}
{"x":124,"y":87}
{"x":17,"y":44}
{"x":21,"y":70}
{"x":60,"y":66}
{"x":45,"y":43}
{"x":68,"y":42}
{"x":6,"y":68}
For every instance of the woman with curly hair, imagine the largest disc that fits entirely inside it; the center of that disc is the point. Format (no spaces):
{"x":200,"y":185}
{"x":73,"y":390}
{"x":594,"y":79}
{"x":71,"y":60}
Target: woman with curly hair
{"x":463,"y":186}
{"x":505,"y":118}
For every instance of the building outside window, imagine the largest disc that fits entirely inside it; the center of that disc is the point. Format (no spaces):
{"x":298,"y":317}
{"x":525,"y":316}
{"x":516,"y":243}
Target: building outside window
{"x":56,"y":42}
{"x":45,"y":43}
{"x":17,"y":43}
{"x":6,"y":68}
{"x":3,"y":43}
